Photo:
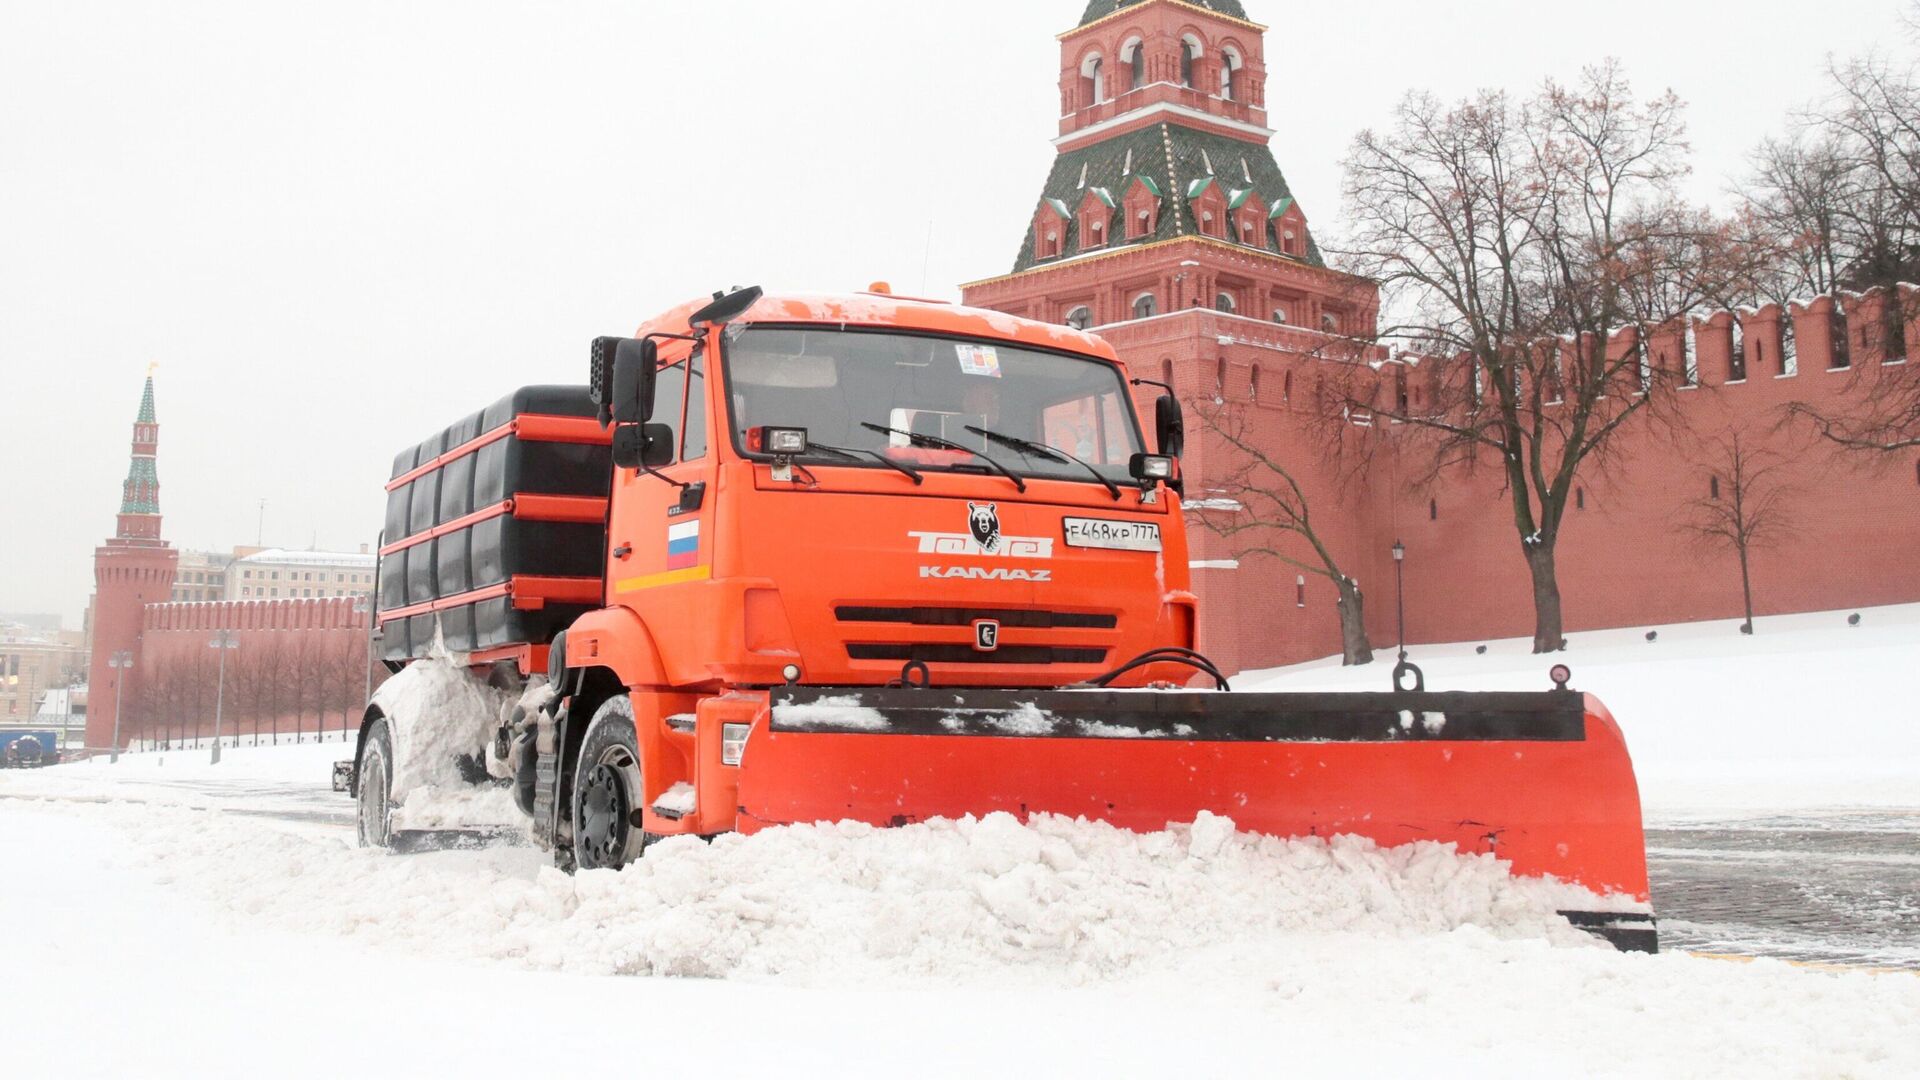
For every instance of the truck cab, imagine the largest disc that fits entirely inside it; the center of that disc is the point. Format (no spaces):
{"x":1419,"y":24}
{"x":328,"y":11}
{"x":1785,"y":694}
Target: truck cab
{"x":843,"y":486}
{"x":863,"y":491}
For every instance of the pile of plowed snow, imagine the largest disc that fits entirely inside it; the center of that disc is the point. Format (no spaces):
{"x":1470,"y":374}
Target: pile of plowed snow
{"x":1059,"y":898}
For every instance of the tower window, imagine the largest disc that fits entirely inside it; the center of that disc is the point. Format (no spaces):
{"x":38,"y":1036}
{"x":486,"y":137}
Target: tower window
{"x":1096,"y":233}
{"x":1286,"y":388}
{"x":1134,"y":55}
{"x":1253,"y":384}
{"x":1713,"y":486}
{"x":1280,"y":315}
{"x":1144,"y":306}
{"x":1579,"y":498}
{"x":1093,"y":90}
{"x":1229,"y":75}
{"x":1433,"y":509}
{"x":1189,"y":55}
{"x":1223,"y":302}
{"x":1080,"y":318}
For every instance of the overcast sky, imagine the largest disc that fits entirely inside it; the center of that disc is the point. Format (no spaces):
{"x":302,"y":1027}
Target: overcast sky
{"x":337,"y":226}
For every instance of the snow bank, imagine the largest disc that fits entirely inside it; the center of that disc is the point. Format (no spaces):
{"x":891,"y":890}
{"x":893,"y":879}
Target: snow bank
{"x":1807,"y":712}
{"x":1464,"y":1003}
{"x":1057,"y":899}
{"x":436,"y":712}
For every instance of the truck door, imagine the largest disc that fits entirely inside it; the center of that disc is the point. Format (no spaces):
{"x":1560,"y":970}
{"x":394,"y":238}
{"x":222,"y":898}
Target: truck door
{"x":661,"y":535}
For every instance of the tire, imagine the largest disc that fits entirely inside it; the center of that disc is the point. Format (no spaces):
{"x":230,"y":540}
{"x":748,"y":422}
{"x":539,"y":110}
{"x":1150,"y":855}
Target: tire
{"x":373,"y":788}
{"x":607,"y":790}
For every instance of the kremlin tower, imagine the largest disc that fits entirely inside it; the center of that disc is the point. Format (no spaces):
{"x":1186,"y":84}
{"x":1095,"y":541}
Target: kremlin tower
{"x":1166,"y":227}
{"x":133,"y":569}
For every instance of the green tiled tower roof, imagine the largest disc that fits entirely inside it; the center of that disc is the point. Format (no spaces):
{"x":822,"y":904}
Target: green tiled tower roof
{"x":146,"y":405}
{"x":1172,"y":158}
{"x":141,"y":492}
{"x":1100,"y":9}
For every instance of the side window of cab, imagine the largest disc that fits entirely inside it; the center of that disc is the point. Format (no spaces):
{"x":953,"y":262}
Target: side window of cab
{"x":693,"y":446}
{"x":670,"y":398}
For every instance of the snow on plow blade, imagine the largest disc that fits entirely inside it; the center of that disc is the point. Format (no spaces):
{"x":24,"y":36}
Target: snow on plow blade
{"x":1541,"y":780}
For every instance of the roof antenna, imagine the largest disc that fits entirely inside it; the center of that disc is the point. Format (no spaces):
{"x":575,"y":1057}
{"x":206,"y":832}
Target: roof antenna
{"x":926,"y":258}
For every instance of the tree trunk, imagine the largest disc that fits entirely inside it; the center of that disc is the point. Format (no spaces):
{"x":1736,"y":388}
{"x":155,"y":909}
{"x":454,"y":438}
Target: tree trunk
{"x":1355,"y":649}
{"x":1746,"y":586}
{"x":1547,"y":633}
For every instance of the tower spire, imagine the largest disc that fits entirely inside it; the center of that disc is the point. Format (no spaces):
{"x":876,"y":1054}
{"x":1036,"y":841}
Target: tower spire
{"x":140,"y":496}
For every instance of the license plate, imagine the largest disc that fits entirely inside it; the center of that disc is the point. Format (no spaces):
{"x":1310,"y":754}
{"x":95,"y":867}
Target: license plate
{"x":1117,"y":535}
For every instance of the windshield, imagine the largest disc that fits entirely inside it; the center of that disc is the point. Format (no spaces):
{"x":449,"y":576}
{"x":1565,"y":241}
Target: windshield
{"x":843,"y":386}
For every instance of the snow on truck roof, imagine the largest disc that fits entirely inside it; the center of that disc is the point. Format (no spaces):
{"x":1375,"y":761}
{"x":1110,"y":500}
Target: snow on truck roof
{"x":899,"y":312}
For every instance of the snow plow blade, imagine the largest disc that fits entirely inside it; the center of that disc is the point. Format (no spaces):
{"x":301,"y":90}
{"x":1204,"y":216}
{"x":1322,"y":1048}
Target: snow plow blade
{"x":1541,"y":780}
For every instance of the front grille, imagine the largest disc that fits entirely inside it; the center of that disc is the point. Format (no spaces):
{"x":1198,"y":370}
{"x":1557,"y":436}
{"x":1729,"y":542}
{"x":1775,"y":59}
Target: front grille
{"x":1024,"y":618}
{"x":967,"y":654}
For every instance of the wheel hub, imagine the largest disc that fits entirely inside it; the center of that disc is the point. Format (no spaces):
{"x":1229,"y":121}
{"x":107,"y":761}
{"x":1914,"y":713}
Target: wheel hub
{"x":604,"y":808}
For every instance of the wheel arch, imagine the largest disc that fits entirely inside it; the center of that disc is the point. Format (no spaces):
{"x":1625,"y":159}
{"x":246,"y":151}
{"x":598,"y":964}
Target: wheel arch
{"x":367,"y":720}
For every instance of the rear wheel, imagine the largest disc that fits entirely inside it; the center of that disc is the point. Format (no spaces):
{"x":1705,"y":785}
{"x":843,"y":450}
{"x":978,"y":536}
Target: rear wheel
{"x":607,"y":790}
{"x":374,"y":788}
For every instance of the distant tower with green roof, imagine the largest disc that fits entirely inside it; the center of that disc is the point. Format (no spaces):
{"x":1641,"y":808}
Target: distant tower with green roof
{"x":133,"y":569}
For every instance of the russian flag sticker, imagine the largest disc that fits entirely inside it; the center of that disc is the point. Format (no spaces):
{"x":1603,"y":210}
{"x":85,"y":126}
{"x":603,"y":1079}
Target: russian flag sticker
{"x":683,"y":545}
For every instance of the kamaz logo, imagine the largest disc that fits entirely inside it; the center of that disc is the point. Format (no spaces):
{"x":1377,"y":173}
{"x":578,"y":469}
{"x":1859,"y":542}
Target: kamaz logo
{"x":981,"y":573}
{"x":1004,"y":547}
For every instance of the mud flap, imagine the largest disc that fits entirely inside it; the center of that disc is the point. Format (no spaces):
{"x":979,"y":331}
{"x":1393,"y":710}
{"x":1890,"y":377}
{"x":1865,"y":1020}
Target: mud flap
{"x":1541,"y":780}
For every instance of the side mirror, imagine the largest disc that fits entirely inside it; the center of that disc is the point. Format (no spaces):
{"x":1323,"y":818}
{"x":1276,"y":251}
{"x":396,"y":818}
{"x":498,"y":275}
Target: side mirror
{"x":1170,"y":425}
{"x":642,"y":446}
{"x":622,"y":379}
{"x":634,"y":368}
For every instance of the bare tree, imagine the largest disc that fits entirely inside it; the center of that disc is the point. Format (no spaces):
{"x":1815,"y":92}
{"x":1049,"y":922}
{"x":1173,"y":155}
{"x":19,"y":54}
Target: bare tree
{"x":1747,"y":508}
{"x":1256,"y":503}
{"x":307,"y":671}
{"x":1837,"y":205}
{"x":250,"y":689}
{"x":1535,"y":250}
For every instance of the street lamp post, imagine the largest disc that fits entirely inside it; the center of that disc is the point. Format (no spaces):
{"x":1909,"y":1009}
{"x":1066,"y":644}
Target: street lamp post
{"x":222,"y":641}
{"x":119,"y":662}
{"x":363,"y":605}
{"x":1400,"y":592}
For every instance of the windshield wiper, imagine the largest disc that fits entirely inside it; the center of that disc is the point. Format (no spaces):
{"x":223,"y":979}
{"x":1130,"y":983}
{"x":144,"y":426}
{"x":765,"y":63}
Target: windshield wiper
{"x":874,"y":454}
{"x":1028,"y":446}
{"x":946,"y":444}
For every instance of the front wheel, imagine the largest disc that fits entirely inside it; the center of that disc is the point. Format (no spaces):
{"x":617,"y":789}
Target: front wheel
{"x":607,"y":790}
{"x":373,"y":795}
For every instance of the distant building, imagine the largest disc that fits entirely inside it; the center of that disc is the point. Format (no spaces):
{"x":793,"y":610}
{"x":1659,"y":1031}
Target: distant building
{"x":29,"y":669}
{"x":65,"y":711}
{"x":279,"y":574}
{"x":203,"y":576}
{"x":28,"y":623}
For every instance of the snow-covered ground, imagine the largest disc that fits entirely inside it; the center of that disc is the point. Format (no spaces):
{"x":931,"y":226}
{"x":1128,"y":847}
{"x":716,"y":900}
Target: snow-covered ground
{"x":1808,"y":712}
{"x":170,"y":917}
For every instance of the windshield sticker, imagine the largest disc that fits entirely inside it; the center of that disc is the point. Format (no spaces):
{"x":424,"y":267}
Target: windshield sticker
{"x":979,"y":360}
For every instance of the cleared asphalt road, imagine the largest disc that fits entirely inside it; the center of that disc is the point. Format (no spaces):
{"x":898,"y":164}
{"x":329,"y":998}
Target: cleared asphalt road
{"x":1840,"y":887}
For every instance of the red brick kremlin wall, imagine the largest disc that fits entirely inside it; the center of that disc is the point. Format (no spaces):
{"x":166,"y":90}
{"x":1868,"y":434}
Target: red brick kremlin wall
{"x":1624,"y":559}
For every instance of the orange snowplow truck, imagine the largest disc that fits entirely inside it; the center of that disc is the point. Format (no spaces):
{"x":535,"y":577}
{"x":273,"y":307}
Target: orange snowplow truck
{"x":789,"y":559}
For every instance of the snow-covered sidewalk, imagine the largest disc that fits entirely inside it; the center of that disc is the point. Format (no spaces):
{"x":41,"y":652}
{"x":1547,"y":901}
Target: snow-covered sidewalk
{"x":1808,"y":712}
